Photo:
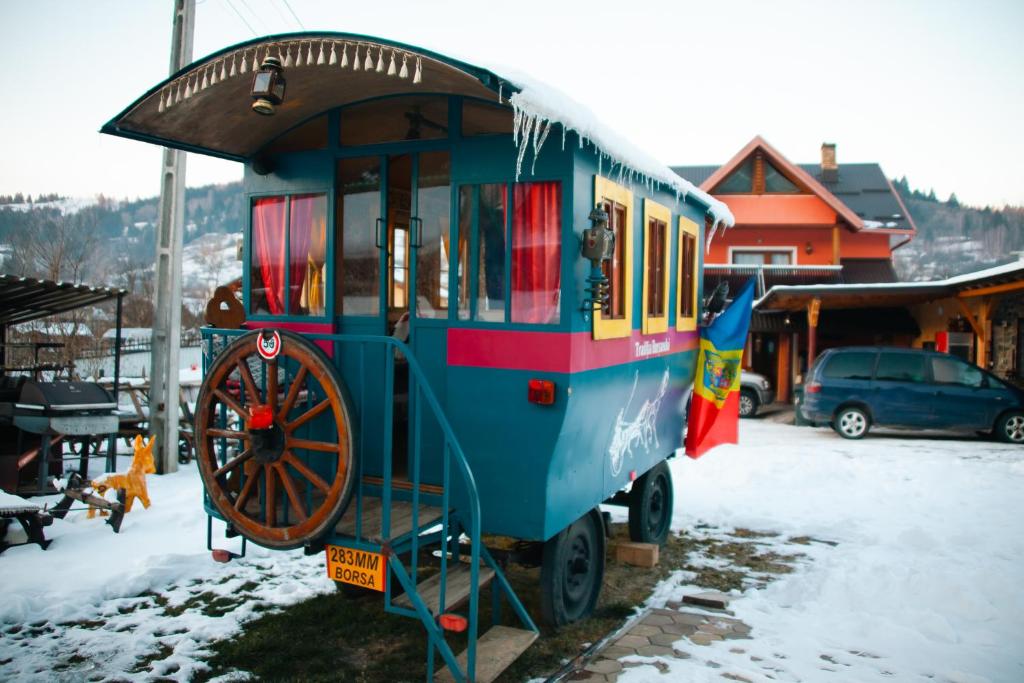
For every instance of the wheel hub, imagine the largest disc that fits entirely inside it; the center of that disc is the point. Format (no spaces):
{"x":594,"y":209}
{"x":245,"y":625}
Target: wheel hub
{"x":267,"y":444}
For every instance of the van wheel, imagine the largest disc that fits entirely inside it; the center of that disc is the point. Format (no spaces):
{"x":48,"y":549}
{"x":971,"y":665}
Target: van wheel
{"x":572,"y":570}
{"x":748,"y":403}
{"x":650,"y":506}
{"x":1010,"y":427}
{"x":851,"y":423}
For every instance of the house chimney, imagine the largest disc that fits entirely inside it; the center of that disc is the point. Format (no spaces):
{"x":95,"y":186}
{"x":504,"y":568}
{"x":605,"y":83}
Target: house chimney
{"x":829,"y":167}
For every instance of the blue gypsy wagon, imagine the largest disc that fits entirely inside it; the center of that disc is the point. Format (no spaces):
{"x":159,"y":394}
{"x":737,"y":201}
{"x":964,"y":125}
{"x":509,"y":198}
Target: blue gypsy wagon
{"x":470,"y":313}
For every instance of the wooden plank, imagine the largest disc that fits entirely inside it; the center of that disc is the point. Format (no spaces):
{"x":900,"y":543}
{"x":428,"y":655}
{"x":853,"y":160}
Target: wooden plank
{"x":457,"y":587}
{"x":495,"y":650}
{"x":373,"y":512}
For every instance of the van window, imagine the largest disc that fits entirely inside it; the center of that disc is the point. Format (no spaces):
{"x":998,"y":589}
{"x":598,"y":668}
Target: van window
{"x":901,"y":367}
{"x":853,"y":365}
{"x":951,"y":371}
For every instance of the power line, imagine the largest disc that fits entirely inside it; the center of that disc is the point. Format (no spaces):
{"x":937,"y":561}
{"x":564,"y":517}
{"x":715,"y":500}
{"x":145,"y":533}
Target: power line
{"x":289,"y":6}
{"x":244,"y":20}
{"x":257,"y":17}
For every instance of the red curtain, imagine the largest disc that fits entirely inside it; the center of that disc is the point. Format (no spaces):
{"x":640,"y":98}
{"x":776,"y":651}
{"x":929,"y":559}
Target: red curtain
{"x":307,"y":218}
{"x":268,"y":228}
{"x":536,"y":252}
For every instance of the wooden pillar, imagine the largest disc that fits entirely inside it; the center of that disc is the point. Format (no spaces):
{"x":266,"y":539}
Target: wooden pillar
{"x":835,"y":245}
{"x":783,"y":370}
{"x":813,"y":309}
{"x":981,"y":325}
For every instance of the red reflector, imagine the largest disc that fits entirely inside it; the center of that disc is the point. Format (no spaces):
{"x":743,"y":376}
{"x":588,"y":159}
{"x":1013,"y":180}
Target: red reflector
{"x":260,"y":417}
{"x":542,"y":391}
{"x":221,"y":555}
{"x":453,"y":622}
{"x":632,"y":475}
{"x":812,"y":388}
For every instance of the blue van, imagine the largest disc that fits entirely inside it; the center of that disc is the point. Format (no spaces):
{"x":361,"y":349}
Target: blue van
{"x":854,"y":388}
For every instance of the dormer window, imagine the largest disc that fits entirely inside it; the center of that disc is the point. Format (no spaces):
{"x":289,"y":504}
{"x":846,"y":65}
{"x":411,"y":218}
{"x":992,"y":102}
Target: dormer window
{"x":757,"y":175}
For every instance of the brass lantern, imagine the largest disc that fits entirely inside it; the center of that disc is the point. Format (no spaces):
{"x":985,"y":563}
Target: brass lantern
{"x":268,"y":86}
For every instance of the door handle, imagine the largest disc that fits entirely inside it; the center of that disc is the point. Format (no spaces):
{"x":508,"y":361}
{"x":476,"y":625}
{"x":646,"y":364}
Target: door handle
{"x":377,"y":236}
{"x":416,"y":232}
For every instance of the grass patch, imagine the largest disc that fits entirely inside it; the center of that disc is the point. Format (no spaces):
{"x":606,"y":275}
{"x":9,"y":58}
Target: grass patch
{"x":337,"y":637}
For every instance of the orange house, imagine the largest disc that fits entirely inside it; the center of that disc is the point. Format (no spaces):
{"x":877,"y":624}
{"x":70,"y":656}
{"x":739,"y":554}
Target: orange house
{"x":801,"y":224}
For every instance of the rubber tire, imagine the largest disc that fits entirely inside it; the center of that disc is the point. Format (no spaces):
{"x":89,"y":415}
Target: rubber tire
{"x":858,"y":416}
{"x":651,"y":494}
{"x":1006,"y":431}
{"x":752,"y":406}
{"x":566,"y":596}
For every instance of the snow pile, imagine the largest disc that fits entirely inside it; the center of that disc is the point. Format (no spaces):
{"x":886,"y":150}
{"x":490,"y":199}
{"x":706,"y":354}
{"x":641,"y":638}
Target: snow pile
{"x":66,"y":205}
{"x":923,"y":584}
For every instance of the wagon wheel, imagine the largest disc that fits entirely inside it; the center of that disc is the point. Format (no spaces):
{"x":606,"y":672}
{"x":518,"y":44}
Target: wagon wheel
{"x":274,"y":439}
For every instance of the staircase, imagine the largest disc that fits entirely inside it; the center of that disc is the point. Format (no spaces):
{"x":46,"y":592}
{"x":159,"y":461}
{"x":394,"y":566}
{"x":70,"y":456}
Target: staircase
{"x":409,"y":523}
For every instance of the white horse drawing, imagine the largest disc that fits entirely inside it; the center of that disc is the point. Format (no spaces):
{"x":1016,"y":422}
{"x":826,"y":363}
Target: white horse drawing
{"x":642,"y":430}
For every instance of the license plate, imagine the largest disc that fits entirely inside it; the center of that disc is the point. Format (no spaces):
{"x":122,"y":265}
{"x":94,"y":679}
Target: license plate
{"x":357,"y":567}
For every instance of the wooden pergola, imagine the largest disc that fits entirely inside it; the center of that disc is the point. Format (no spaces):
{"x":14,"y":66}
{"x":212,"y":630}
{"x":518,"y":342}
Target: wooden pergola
{"x":985,"y":287}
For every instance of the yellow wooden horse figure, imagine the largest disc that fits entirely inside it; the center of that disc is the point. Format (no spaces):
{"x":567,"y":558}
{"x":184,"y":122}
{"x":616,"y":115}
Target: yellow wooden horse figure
{"x":133,"y":481}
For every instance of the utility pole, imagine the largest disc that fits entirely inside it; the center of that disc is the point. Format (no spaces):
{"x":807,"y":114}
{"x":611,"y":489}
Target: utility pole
{"x":163,"y":392}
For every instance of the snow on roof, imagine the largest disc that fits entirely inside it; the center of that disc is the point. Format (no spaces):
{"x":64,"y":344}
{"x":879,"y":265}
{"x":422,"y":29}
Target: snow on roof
{"x":129,"y":333}
{"x":537,"y":106}
{"x":966,"y":278}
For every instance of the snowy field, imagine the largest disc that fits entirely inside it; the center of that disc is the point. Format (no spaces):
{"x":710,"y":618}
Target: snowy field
{"x":923,"y":582}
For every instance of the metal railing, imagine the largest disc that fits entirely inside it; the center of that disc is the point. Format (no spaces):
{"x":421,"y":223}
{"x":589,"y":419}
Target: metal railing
{"x":420,"y":393}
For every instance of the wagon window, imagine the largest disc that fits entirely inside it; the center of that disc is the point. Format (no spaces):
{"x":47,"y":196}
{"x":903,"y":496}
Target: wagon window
{"x":289,"y":247}
{"x":358,"y":210}
{"x":395,"y":119}
{"x":536,"y":252}
{"x":655,"y":286}
{"x":490,"y":293}
{"x":615,"y":319}
{"x":434,"y":212}
{"x":686,"y":313}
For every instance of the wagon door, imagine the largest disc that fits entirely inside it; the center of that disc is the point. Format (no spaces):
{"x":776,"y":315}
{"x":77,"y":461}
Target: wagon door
{"x":393,"y":221}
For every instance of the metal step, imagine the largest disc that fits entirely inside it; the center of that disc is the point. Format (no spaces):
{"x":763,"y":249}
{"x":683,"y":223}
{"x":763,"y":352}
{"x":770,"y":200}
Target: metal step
{"x":495,"y":650}
{"x":373,"y":512}
{"x":457,"y":587}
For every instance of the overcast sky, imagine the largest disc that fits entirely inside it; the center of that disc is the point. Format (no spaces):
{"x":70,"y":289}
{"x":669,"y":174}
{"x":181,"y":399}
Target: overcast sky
{"x":932,"y":90}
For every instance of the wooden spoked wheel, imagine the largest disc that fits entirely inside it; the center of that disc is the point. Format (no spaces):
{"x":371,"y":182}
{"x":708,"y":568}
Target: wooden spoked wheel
{"x":274,"y":440}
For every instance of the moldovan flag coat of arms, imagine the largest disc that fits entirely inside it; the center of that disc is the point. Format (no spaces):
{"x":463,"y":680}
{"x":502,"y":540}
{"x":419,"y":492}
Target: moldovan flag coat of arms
{"x":715,"y":408}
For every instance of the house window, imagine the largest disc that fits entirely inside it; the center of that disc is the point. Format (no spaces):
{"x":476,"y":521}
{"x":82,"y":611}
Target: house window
{"x":655,"y":292}
{"x":686,"y":293}
{"x":288,"y":258}
{"x":766,"y":257}
{"x":525,"y":245}
{"x":615,"y":319}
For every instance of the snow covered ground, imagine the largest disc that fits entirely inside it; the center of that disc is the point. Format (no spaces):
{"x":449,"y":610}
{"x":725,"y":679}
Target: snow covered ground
{"x":923,"y":582}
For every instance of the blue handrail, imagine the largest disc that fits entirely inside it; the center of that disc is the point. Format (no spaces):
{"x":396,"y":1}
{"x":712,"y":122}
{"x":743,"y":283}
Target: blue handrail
{"x":452,"y":451}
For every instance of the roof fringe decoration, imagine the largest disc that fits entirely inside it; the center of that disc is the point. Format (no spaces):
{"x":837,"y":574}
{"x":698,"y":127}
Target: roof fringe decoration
{"x":404,"y":71}
{"x":418,"y":78}
{"x":333,"y":59}
{"x":368,"y":66}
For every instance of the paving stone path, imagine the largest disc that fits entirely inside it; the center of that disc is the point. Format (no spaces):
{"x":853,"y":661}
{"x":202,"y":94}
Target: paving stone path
{"x":661,"y":633}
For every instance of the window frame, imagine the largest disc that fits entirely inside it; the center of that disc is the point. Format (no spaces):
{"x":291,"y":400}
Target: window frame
{"x":654,"y":211}
{"x":249,"y":245}
{"x":765,"y":250}
{"x":687,"y":323}
{"x":617,"y":328}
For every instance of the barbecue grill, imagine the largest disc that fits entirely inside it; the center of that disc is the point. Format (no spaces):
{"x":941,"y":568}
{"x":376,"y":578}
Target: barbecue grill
{"x":49,"y":409}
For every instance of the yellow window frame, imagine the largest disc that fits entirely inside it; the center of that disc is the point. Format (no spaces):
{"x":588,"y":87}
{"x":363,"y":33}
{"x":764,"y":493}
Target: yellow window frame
{"x":689,"y":323}
{"x":605,"y":189}
{"x":655,"y":211}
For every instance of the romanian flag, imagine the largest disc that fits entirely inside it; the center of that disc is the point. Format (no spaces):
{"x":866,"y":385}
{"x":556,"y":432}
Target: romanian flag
{"x":715,"y":408}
